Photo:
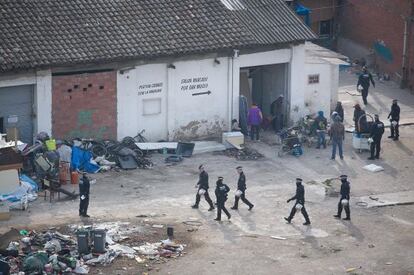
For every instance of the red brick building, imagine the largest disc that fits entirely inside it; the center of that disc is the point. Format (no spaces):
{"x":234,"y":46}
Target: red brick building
{"x":379,"y":31}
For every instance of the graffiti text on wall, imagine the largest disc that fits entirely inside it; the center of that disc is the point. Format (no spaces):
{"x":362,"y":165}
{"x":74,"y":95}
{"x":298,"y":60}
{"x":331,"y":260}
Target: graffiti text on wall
{"x":151,"y":88}
{"x":192,"y":84}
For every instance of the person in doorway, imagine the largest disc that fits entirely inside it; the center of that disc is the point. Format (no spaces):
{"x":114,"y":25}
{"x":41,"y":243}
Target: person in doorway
{"x":276,"y":110}
{"x":337,"y":133}
{"x":321,"y":123}
{"x":340,"y":110}
{"x":394,"y":117}
{"x":84,"y":188}
{"x":344,"y":200}
{"x":235,"y":126}
{"x":364,"y":82}
{"x":360,"y":119}
{"x":377,"y":130}
{"x":221,"y":195}
{"x":202,"y":189}
{"x":300,"y":203}
{"x":241,"y":187}
{"x":254,"y":119}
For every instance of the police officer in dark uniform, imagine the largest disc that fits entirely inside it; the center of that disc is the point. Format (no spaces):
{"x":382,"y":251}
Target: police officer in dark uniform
{"x":394,"y":117}
{"x":84,"y":187}
{"x":221,"y":195}
{"x":377,"y":130}
{"x":203,"y":186}
{"x":344,"y":200}
{"x":241,"y":185}
{"x":364,"y":80}
{"x":300,"y":203}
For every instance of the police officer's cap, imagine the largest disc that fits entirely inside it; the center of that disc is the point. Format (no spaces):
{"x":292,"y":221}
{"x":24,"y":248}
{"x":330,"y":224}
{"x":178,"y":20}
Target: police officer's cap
{"x":299,"y":179}
{"x":394,"y":100}
{"x":201,"y":166}
{"x":220,"y":178}
{"x":239,"y":167}
{"x":343,"y":176}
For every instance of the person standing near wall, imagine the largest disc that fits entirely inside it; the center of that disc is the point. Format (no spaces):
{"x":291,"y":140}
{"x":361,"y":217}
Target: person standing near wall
{"x":364,"y":82}
{"x":337,"y":133}
{"x":340,"y":110}
{"x":360,"y":119}
{"x":321,"y":124}
{"x":276,"y":109}
{"x":394,"y":117}
{"x":202,"y":189}
{"x":254,"y":119}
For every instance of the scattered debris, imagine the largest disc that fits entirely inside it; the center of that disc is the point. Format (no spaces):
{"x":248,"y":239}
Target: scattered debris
{"x":388,"y":263}
{"x":157,"y":226}
{"x":353,"y":269}
{"x":373,"y":168}
{"x":243,"y":154}
{"x":50,"y":252}
{"x":371,"y":245}
{"x":277,"y":238}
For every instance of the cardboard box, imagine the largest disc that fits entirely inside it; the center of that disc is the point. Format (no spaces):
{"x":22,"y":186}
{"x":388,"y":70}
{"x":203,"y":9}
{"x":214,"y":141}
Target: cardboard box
{"x":4,"y":211}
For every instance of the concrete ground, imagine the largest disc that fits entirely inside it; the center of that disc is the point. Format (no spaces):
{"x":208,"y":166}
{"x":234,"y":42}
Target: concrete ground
{"x":376,"y":241}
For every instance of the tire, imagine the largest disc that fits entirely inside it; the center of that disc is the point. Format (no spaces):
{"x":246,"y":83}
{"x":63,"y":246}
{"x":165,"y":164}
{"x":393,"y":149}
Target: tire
{"x":98,"y":150}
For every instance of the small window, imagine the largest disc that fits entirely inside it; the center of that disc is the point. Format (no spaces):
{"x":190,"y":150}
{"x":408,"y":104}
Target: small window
{"x":313,"y":78}
{"x":325,"y":27}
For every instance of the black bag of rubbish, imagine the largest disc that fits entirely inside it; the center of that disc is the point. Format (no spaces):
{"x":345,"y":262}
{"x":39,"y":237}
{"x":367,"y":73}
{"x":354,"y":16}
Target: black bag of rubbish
{"x":127,"y":162}
{"x":34,"y":263}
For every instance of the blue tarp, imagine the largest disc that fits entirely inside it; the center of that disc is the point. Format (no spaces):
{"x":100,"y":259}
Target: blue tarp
{"x":81,"y":160}
{"x":27,"y":188}
{"x":303,"y":11}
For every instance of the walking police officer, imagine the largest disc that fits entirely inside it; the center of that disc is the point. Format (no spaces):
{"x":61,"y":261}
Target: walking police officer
{"x":221,"y":195}
{"x":300,"y":203}
{"x":84,"y":188}
{"x":377,"y":129}
{"x":202,"y":189}
{"x":241,"y":187}
{"x":364,"y":80}
{"x":344,"y":200}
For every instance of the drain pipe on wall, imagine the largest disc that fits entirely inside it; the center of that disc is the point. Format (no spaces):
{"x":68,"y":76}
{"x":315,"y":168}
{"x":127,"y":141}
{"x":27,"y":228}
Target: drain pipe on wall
{"x":403,"y":83}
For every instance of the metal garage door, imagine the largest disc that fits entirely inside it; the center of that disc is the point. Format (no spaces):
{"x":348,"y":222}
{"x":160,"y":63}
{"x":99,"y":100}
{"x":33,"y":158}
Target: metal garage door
{"x":18,"y":100}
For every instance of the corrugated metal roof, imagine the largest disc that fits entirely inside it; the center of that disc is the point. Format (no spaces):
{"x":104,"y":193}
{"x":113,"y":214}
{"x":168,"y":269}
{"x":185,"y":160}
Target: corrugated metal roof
{"x":44,"y":33}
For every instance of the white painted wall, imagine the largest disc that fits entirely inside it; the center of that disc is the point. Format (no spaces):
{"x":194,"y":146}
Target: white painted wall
{"x":297,"y":82}
{"x":163,"y":100}
{"x":42,"y":81}
{"x":142,"y":96}
{"x":184,"y":116}
{"x":318,"y":96}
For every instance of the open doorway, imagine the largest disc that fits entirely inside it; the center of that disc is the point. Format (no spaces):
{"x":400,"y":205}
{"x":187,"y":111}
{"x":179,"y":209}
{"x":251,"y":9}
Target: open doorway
{"x":267,"y":86}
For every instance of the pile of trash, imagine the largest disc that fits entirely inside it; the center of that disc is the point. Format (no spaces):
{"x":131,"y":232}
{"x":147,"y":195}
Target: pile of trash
{"x":51,"y":252}
{"x":243,"y":154}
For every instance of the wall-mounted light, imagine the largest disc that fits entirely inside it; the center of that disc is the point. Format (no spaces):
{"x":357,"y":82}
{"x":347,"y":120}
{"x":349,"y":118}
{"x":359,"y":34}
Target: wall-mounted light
{"x":235,"y":53}
{"x":216,"y":61}
{"x":171,"y":66}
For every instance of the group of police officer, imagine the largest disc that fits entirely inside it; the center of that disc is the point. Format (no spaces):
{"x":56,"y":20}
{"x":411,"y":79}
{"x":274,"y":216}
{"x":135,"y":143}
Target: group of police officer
{"x":222,"y":191}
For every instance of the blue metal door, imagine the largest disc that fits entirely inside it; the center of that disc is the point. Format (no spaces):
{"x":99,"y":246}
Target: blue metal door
{"x":18,"y":100}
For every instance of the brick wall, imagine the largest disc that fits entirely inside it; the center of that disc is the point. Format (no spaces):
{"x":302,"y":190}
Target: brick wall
{"x":84,"y":105}
{"x":378,"y":26}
